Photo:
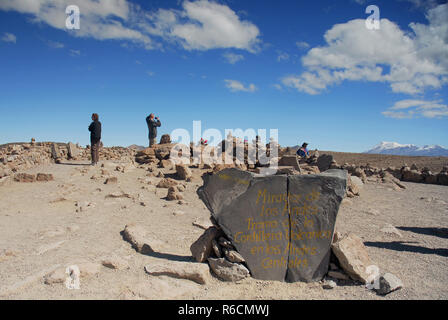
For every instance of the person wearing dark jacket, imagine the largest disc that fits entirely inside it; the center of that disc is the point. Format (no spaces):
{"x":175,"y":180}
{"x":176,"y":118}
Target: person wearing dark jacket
{"x":153,"y":123}
{"x":95,"y":138}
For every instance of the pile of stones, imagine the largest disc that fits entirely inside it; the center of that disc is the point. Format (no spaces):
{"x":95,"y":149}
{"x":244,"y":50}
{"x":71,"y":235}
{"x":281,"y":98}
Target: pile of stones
{"x":225,"y":262}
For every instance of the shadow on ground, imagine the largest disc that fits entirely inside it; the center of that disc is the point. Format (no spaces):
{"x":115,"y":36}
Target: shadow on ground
{"x":438,"y":232}
{"x":403,"y":246}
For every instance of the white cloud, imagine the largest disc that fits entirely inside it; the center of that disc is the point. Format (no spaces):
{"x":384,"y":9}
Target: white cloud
{"x":55,"y":44}
{"x":282,"y":56}
{"x":233,"y":58}
{"x":9,"y":37}
{"x":199,"y":25}
{"x":236,"y":86}
{"x":407,"y":109}
{"x":204,"y":25}
{"x":302,"y":45}
{"x":409,"y":62}
{"x":75,"y":53}
{"x":150,"y":73}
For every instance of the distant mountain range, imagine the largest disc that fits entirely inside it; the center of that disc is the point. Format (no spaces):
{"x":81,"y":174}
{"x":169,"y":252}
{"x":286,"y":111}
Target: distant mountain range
{"x":394,"y":148}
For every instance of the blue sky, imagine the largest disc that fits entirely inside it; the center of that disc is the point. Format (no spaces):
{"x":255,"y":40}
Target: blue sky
{"x":310,"y":69}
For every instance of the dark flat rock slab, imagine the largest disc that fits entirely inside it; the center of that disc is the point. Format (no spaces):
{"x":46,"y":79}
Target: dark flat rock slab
{"x":281,"y":225}
{"x":313,"y":206}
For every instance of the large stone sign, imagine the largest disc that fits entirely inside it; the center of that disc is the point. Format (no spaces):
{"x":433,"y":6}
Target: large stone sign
{"x":282,"y":225}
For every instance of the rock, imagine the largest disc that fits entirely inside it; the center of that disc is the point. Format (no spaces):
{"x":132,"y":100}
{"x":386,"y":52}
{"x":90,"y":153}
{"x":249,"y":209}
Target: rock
{"x":216,"y":249}
{"x":353,"y":257}
{"x":89,"y":269}
{"x":202,"y":224}
{"x":228,"y":271}
{"x":167,"y":164}
{"x":57,"y":276}
{"x":390,"y":179}
{"x":115,"y":262}
{"x":412,"y":176}
{"x":44,"y":177}
{"x":357,"y":182}
{"x":165,"y":139}
{"x":324,"y":162}
{"x":141,"y":240}
{"x":197,"y":272}
{"x":253,"y":211}
{"x":391,"y":230}
{"x":55,"y":153}
{"x":60,"y":275}
{"x":167,"y":183}
{"x":388,"y":284}
{"x":24,"y":177}
{"x":431,"y":178}
{"x":119,"y":195}
{"x":73,"y":151}
{"x":111,"y":180}
{"x":329,"y":284}
{"x":173,"y":194}
{"x":442,"y":178}
{"x":233,"y":256}
{"x":352,"y":187}
{"x":202,"y":248}
{"x":288,"y":161}
{"x":338,"y":275}
{"x":183,"y":172}
{"x":226,"y":243}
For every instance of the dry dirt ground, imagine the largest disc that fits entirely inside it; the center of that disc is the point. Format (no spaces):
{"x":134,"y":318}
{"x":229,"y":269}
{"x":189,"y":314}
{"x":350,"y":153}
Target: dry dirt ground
{"x":41,"y":229}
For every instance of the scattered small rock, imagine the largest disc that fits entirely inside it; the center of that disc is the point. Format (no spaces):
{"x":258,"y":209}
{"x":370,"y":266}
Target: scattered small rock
{"x":228,"y":271}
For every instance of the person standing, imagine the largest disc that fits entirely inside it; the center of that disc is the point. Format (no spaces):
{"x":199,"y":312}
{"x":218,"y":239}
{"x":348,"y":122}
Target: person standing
{"x":152,"y":122}
{"x":95,"y":138}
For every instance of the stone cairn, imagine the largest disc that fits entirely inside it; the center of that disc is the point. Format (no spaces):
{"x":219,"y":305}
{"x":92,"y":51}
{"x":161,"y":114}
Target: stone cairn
{"x":17,"y":157}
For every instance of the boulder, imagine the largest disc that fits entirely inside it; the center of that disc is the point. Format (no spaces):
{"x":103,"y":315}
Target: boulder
{"x":173,"y":194}
{"x":353,"y":257}
{"x":24,"y":177}
{"x":165,"y":139}
{"x":141,"y":240}
{"x":73,"y":151}
{"x":388,"y":284}
{"x":281,"y":225}
{"x":412,"y":176}
{"x":55,"y":153}
{"x":233,"y":256}
{"x":197,"y":272}
{"x":442,"y":178}
{"x":183,"y":172}
{"x":111,"y":180}
{"x":166,"y":183}
{"x":44,"y":177}
{"x":324,"y":162}
{"x":167,"y":164}
{"x":228,"y":271}
{"x":202,"y":248}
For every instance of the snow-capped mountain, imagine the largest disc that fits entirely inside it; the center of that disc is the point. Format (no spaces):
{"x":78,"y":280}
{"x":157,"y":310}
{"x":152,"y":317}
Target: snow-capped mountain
{"x":395,"y":148}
